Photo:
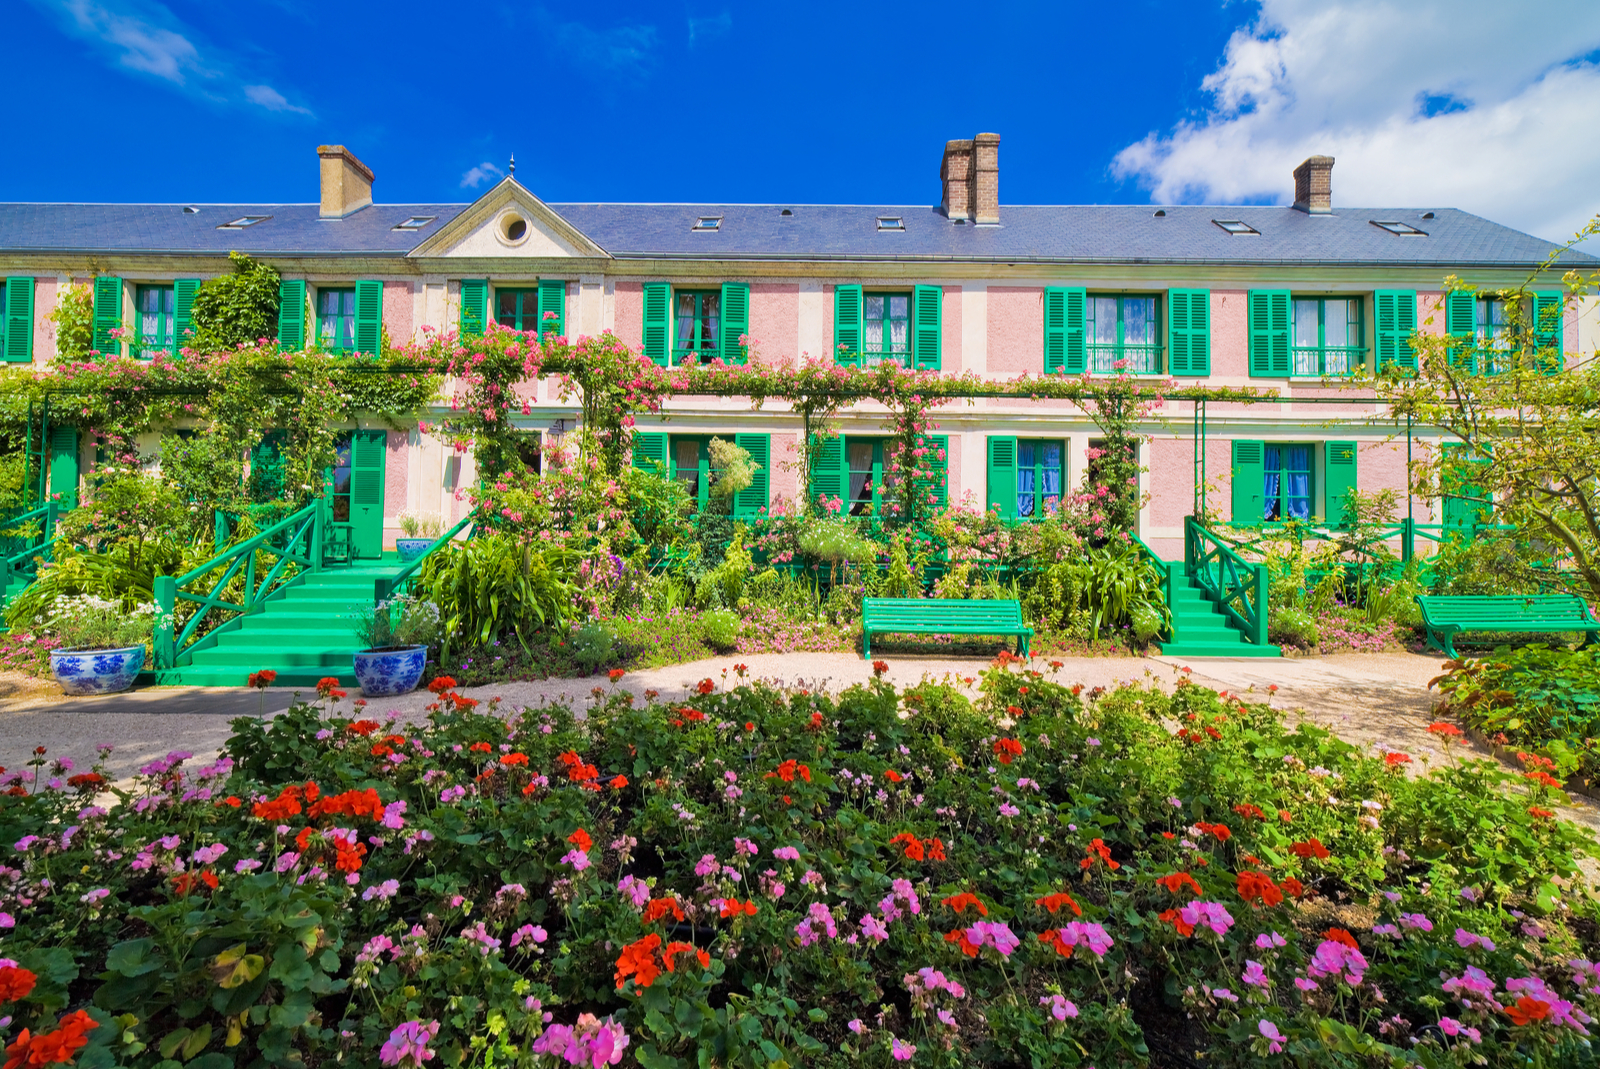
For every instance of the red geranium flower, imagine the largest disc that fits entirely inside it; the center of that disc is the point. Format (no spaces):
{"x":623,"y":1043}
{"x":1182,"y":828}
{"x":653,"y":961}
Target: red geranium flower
{"x":616,"y":674}
{"x":1309,"y":849}
{"x":670,"y":953}
{"x":1527,"y":1010}
{"x":15,"y":982}
{"x":1007,"y":750}
{"x":52,"y":1048}
{"x":732,"y":907}
{"x":440,"y":684}
{"x":706,"y":686}
{"x":1098,"y":848}
{"x":1245,"y":809}
{"x":263,"y":679}
{"x":1253,"y":886}
{"x":1174,"y":917}
{"x":327,"y":685}
{"x":638,"y":960}
{"x":960,"y":902}
{"x":1054,"y":902}
{"x":1394,"y":758}
{"x":1175,"y":881}
{"x":660,"y":907}
{"x":959,"y":937}
{"x":581,"y":840}
{"x":892,"y":776}
{"x":1341,"y":935}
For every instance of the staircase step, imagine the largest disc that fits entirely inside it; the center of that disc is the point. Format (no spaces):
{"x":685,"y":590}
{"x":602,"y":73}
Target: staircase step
{"x":1200,"y":649}
{"x":276,"y":657}
{"x":227,"y":676}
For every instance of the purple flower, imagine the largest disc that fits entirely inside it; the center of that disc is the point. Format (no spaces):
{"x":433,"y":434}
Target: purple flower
{"x":995,"y":934}
{"x":902,"y":1051}
{"x":873,"y":928}
{"x":1211,"y":915}
{"x":1083,"y":933}
{"x":1008,"y":810}
{"x":635,"y":890}
{"x":576,"y":858}
{"x":856,"y":1026}
{"x":208,"y":855}
{"x":1060,"y":1008}
{"x":1275,"y":1039}
{"x":529,"y":933}
{"x":1334,"y":958}
{"x":1269,"y":941}
{"x":385,"y":891}
{"x":1255,"y":975}
{"x":787,"y":853}
{"x":408,"y":1044}
{"x":1467,"y":940}
{"x":1418,"y":921}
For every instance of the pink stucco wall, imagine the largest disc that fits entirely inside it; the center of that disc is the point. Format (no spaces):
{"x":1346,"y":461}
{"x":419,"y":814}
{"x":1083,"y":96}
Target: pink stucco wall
{"x":950,"y":357}
{"x":774,"y":321}
{"x":44,"y":331}
{"x":1016,"y":329}
{"x":399,"y":305}
{"x":1171,"y":481}
{"x":783,"y":481}
{"x":628,"y":312}
{"x":395,"y":464}
{"x":952,"y":466}
{"x":1230,"y":334}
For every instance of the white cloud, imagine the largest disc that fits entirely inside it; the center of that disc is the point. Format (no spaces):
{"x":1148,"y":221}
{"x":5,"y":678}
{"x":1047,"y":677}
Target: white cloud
{"x":1423,"y":104}
{"x":622,"y":49}
{"x":484,"y":172}
{"x":271,"y":99}
{"x":146,"y":37}
{"x":705,"y":29}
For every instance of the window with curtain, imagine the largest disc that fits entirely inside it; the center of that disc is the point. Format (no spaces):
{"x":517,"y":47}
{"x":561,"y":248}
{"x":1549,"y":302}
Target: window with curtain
{"x":1039,"y":477}
{"x":517,"y":309}
{"x":1121,"y":335}
{"x":157,"y":313}
{"x":336,"y":320}
{"x":870,"y":479}
{"x":689,"y":458}
{"x":695,"y":321}
{"x":1325,"y":336}
{"x":1287,"y":493}
{"x":886,"y":328}
{"x":1494,"y":334}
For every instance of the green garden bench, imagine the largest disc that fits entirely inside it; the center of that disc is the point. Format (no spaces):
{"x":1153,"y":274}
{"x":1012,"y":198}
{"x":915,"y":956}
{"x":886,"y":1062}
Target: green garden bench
{"x":941,"y":616}
{"x":1446,"y":616}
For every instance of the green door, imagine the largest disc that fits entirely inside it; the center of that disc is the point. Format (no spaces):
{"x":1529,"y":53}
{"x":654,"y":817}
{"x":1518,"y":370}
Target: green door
{"x":358,"y":472}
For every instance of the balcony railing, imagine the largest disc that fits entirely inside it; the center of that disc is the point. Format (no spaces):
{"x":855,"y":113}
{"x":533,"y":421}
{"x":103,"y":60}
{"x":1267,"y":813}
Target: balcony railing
{"x":1134,"y":358}
{"x":1328,"y":361}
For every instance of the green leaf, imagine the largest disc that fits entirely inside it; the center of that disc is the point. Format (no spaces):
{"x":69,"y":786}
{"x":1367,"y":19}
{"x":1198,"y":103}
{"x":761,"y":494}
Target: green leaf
{"x":197,"y":1041}
{"x":172,"y":1041}
{"x":130,"y":958}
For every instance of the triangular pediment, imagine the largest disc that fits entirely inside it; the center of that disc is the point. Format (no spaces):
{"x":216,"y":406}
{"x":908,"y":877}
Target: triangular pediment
{"x":509,"y":221}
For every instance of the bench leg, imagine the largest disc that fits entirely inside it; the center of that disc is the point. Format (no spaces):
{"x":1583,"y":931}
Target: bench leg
{"x":1450,"y":645}
{"x":866,"y":644}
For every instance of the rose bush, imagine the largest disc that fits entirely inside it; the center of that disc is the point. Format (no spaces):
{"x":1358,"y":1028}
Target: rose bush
{"x":1005,"y":871}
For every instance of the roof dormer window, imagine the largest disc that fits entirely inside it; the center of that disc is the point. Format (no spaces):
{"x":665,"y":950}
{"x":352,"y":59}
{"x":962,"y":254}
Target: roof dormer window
{"x":244,"y":221}
{"x":892,"y":223}
{"x":1237,"y":228}
{"x":708,"y":223}
{"x":416,"y":222}
{"x":1405,"y":230}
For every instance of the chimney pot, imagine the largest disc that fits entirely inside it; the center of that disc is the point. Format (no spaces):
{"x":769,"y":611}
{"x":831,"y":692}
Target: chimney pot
{"x":1313,"y":185}
{"x":955,"y":175}
{"x":986,"y":178}
{"x":346,"y":182}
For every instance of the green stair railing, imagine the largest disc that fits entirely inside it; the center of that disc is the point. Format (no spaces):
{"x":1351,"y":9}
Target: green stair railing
{"x":296,"y":540}
{"x":1236,"y":585}
{"x":1166,"y":568}
{"x":385,"y":587}
{"x":22,"y":548}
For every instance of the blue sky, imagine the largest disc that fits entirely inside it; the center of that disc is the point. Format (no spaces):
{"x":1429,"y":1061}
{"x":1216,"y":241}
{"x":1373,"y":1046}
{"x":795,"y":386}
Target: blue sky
{"x":1423,"y":103}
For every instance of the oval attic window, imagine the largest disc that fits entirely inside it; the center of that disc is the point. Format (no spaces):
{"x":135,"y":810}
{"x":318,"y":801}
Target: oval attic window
{"x":516,"y":228}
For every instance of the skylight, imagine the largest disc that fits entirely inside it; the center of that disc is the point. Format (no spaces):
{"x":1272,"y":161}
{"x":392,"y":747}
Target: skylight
{"x":1235,"y":227}
{"x":1405,"y":230}
{"x":416,"y":222}
{"x":891,"y":222}
{"x":244,"y":221}
{"x":708,"y":222}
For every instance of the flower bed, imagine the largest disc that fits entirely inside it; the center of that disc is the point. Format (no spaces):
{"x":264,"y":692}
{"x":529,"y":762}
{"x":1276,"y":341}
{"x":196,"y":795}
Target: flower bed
{"x":1025,"y":873}
{"x":1539,"y":697}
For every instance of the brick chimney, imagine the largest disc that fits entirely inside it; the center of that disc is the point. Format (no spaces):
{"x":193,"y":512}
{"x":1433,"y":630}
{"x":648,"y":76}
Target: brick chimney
{"x":970,"y":176}
{"x":346,"y":182}
{"x":1313,"y":185}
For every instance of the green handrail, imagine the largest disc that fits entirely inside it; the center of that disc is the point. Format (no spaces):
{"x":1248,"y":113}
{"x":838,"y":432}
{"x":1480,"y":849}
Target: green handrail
{"x":303,"y":529}
{"x":1166,"y":569}
{"x":35,"y":547}
{"x":385,"y":587}
{"x":1236,"y":585}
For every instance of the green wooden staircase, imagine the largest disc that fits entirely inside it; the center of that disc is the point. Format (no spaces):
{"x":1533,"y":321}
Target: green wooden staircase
{"x":304,"y":631}
{"x":1201,"y":629}
{"x":1218,"y":600}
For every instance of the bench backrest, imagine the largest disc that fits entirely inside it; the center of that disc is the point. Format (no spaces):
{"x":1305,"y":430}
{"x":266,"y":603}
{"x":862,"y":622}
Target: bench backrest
{"x":1006,"y":612}
{"x":1534,"y":610}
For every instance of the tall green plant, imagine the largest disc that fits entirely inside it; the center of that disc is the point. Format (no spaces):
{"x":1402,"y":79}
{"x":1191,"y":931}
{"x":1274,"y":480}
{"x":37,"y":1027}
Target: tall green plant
{"x":497,"y":586}
{"x":237,"y":309}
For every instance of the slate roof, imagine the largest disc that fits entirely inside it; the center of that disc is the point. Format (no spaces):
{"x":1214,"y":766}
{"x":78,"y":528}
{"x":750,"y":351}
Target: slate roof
{"x":1088,"y":234}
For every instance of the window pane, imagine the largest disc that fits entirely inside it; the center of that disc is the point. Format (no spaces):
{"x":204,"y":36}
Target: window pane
{"x":860,"y":499}
{"x":686,"y":456}
{"x":1305,"y":322}
{"x":1343,"y":323}
{"x":1102,"y":326}
{"x":708,"y":320}
{"x":168,"y":302}
{"x":1139,"y":320}
{"x":506,"y":308}
{"x":685,"y":332}
{"x":1050,"y":475}
{"x":899,"y":336}
{"x":899,"y":307}
{"x":872,"y":306}
{"x":1026,"y":498}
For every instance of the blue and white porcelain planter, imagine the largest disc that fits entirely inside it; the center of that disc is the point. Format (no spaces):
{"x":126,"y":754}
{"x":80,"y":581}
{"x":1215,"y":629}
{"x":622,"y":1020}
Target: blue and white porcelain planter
{"x":96,"y":671}
{"x":410,"y":549}
{"x":386,"y":673}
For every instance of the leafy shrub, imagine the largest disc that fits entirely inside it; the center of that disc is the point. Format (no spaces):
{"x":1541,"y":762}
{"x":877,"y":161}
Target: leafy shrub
{"x":1103,"y":589}
{"x":86,"y":622}
{"x":237,"y":309}
{"x":821,"y":851}
{"x":403,"y":620}
{"x":1293,"y":627}
{"x":1544,"y":698}
{"x":593,"y":646}
{"x":497,"y":585}
{"x":735,"y":468}
{"x":73,"y":317}
{"x":721,"y":629}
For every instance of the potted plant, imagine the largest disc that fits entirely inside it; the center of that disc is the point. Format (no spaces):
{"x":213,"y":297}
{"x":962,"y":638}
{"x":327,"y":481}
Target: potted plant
{"x":102,"y":644}
{"x":417,"y":534}
{"x":397,"y":634}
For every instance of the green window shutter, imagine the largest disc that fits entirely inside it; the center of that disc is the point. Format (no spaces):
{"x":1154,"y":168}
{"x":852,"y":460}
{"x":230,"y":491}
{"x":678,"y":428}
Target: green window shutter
{"x":1460,"y":319}
{"x":474,"y":305}
{"x":1548,"y":337}
{"x":1249,"y":482}
{"x":107,"y":315}
{"x":847,"y":324}
{"x":1055,"y":330}
{"x":553,"y":298}
{"x":292,"y":313}
{"x":369,"y":316}
{"x":735,"y":323}
{"x":1341,"y":480}
{"x":1269,"y":333}
{"x":828,"y":475}
{"x":933,"y":491}
{"x":183,"y":291}
{"x":1077,"y":353}
{"x":658,"y":322}
{"x":1002,"y":482}
{"x":1189,"y":328}
{"x":1397,"y":321}
{"x":650,"y":451}
{"x":64,"y":465}
{"x":748,"y":503}
{"x":926,"y":307}
{"x":16,"y":340}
